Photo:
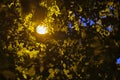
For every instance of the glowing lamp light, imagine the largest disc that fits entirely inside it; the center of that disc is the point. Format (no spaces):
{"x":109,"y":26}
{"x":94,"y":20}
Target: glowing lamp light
{"x":41,"y":30}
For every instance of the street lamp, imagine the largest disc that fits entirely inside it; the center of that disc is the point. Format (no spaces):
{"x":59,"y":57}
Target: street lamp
{"x":41,"y":29}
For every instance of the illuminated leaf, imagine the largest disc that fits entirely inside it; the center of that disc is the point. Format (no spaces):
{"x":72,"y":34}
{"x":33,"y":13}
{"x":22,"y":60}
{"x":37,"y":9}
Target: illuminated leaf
{"x":10,"y":5}
{"x":98,"y":29}
{"x":31,"y":71}
{"x":24,"y":75}
{"x":80,"y":9}
{"x":76,"y":26}
{"x":21,"y":45}
{"x":52,"y":73}
{"x":61,"y":51}
{"x":66,"y":72}
{"x":41,"y":69}
{"x":64,"y":65}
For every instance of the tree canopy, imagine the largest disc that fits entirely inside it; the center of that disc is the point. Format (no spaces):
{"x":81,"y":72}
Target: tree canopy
{"x":82,"y":43}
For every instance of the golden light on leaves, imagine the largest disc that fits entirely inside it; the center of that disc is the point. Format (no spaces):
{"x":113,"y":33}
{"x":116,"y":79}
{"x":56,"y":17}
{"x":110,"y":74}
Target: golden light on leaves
{"x":41,"y":29}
